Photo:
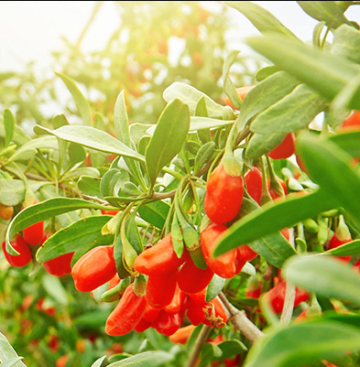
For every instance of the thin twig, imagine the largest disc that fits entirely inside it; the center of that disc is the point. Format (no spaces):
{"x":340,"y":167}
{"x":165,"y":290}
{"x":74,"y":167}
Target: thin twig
{"x":163,"y":195}
{"x":290,"y":291}
{"x":242,"y":135}
{"x":240,"y":321}
{"x":200,"y":341}
{"x":100,"y":201}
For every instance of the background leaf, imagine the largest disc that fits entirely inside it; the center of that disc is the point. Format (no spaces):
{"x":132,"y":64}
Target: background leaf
{"x":146,"y":359}
{"x":12,"y":192}
{"x":7,"y":352}
{"x":155,"y":213}
{"x":347,"y":43}
{"x":9,"y":126}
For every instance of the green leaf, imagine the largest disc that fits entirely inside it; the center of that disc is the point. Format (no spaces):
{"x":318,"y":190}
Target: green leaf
{"x":204,"y":156}
{"x":44,"y":210}
{"x":232,"y":347}
{"x":292,"y":113}
{"x":263,"y":143}
{"x":168,"y":139}
{"x":303,"y":344}
{"x":146,"y":359}
{"x":214,"y":288}
{"x":324,"y":72}
{"x":138,"y":131}
{"x":347,"y":43}
{"x":59,"y":120}
{"x":9,"y":126}
{"x":325,"y":276}
{"x":12,"y":192}
{"x":265,"y":94}
{"x":80,"y":234}
{"x":348,"y":141}
{"x":229,"y":87}
{"x":274,"y":248}
{"x":265,"y":72}
{"x":20,"y":136}
{"x":329,"y":166}
{"x":349,"y":249}
{"x":53,"y":286}
{"x":262,"y":19}
{"x":155,"y":213}
{"x":191,"y":96}
{"x":77,"y":153}
{"x":326,"y":11}
{"x":7,"y":352}
{"x":200,"y":123}
{"x":121,"y":120}
{"x":81,"y":102}
{"x":99,"y":362}
{"x":91,"y":138}
{"x":119,"y":258}
{"x":89,"y":186}
{"x":273,"y":217}
{"x":208,"y":352}
{"x":13,"y":362}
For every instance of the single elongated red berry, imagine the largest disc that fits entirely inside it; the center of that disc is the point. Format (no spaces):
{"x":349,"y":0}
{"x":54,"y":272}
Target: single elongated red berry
{"x":160,"y":290}
{"x":60,"y":265}
{"x":177,"y":301}
{"x":253,"y":181}
{"x":34,"y":234}
{"x":159,"y":259}
{"x":126,"y":314}
{"x":335,"y":242}
{"x":225,"y":265}
{"x":22,"y":248}
{"x":167,"y":323}
{"x":192,"y":279}
{"x":94,"y":269}
{"x":285,"y":149}
{"x":224,"y":195}
{"x":246,"y":253}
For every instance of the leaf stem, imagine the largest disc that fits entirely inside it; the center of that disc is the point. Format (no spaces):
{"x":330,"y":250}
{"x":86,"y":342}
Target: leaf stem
{"x":200,"y":341}
{"x":240,"y":321}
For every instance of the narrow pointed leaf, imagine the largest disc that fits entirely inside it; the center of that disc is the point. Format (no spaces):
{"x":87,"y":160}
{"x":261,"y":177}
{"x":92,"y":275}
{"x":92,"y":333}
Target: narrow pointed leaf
{"x":273,"y":217}
{"x":9,"y":126}
{"x":326,"y":11}
{"x":324,"y":72}
{"x":191,"y":96}
{"x":229,"y":87}
{"x":81,"y":102}
{"x":7,"y":352}
{"x":262,"y":19}
{"x":292,"y":113}
{"x":45,"y":210}
{"x":78,"y":235}
{"x":325,"y":276}
{"x":329,"y":166}
{"x":146,"y":359}
{"x":349,"y":249}
{"x":214,"y":288}
{"x":91,"y":138}
{"x":155,"y":213}
{"x":263,"y":143}
{"x":305,"y":343}
{"x":347,"y":43}
{"x":168,"y":139}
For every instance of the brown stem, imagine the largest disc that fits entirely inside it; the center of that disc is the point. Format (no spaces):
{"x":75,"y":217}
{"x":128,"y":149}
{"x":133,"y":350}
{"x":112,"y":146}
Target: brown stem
{"x":200,"y":341}
{"x":32,"y":176}
{"x":163,"y":195}
{"x":240,"y":321}
{"x":100,"y":201}
{"x":242,"y":135}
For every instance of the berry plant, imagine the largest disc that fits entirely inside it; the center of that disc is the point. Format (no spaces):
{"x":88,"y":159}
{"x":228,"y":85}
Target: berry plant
{"x":209,"y":230}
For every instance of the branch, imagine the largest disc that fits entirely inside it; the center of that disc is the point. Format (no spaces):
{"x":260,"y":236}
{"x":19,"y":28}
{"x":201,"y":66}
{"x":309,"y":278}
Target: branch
{"x":200,"y":341}
{"x":290,"y":292}
{"x":240,"y":321}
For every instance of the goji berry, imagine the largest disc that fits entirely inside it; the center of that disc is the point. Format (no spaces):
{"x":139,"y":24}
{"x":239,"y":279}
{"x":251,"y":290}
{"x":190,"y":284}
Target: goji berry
{"x":94,"y":269}
{"x":167,"y":323}
{"x":142,"y":325}
{"x":160,"y":290}
{"x":6,"y":212}
{"x":245,"y":253}
{"x":176,"y":302}
{"x":285,"y":149}
{"x":22,"y":248}
{"x":192,"y":279}
{"x":224,"y":195}
{"x":253,"y":181}
{"x":182,"y":335}
{"x":352,"y":123}
{"x":126,"y":314}
{"x":60,"y":265}
{"x":334,"y":243}
{"x":159,"y":259}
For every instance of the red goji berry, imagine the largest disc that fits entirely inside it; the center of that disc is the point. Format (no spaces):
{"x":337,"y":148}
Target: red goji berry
{"x":151,"y":313}
{"x":224,"y":195}
{"x":192,"y":279}
{"x":167,"y":323}
{"x":94,"y":269}
{"x":352,"y":123}
{"x":253,"y":181}
{"x":142,"y":325}
{"x":334,"y":243}
{"x":126,"y":314}
{"x":182,"y":335}
{"x":60,"y":265}
{"x":22,"y":248}
{"x":176,"y":302}
{"x":160,"y":290}
{"x":159,"y":259}
{"x":285,"y":149}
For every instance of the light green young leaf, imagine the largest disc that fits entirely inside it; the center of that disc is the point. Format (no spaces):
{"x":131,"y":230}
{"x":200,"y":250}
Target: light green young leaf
{"x":74,"y":237}
{"x":260,"y":144}
{"x":262,"y":19}
{"x":53,"y":286}
{"x":326,"y":11}
{"x":155,"y":213}
{"x":229,"y":87}
{"x":81,"y":102}
{"x":325,"y":276}
{"x":348,"y":141}
{"x":12,"y":192}
{"x":214,"y":288}
{"x":347,"y":43}
{"x":7,"y":352}
{"x":146,"y":359}
{"x":91,"y":138}
{"x":168,"y":139}
{"x":9,"y":126}
{"x":191,"y":96}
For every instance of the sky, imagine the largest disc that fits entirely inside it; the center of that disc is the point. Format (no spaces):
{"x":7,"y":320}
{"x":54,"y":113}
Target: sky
{"x":30,"y":31}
